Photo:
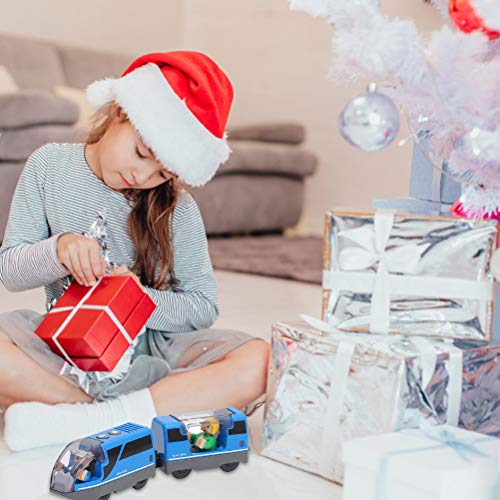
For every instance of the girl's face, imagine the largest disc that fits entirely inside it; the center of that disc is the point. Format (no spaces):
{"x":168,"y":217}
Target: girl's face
{"x":124,"y":161}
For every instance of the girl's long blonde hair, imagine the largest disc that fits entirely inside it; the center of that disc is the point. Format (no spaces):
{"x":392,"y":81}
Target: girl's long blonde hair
{"x":149,"y":221}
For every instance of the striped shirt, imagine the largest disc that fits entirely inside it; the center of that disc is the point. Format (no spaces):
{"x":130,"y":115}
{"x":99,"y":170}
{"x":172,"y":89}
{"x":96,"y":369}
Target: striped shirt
{"x":58,"y":192}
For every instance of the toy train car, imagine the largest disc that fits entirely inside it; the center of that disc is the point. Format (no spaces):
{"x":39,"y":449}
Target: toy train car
{"x":126,"y":456}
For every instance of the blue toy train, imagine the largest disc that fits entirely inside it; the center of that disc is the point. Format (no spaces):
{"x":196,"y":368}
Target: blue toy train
{"x":126,"y":456}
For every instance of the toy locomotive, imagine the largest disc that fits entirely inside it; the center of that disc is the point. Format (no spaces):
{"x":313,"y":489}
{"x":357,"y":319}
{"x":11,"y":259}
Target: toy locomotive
{"x":128,"y":455}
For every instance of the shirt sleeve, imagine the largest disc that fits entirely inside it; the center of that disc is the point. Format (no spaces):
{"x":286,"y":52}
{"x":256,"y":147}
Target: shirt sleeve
{"x":191,"y":304}
{"x":28,"y":255}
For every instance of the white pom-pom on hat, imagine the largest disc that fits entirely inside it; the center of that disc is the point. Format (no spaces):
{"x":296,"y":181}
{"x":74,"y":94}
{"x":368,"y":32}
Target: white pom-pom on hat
{"x":101,"y":92}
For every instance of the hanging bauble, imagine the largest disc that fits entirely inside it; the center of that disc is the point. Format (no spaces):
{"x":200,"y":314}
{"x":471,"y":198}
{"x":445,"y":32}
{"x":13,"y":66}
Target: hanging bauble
{"x":466,"y":19}
{"x":370,"y":121}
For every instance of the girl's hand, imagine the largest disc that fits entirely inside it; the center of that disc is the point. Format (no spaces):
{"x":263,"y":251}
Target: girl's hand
{"x":124,"y":271}
{"x":82,"y":257}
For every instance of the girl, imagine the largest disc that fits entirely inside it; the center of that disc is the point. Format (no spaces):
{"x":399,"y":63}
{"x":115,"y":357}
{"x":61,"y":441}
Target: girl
{"x":159,"y":125}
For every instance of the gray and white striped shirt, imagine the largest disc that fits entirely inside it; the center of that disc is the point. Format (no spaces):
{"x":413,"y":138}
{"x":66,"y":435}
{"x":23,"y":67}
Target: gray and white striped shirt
{"x":58,"y":192}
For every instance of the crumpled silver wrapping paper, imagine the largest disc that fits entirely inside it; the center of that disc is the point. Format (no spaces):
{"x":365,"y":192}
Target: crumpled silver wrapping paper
{"x":442,"y":247}
{"x":384,"y":392}
{"x":480,"y":405}
{"x":99,"y":232}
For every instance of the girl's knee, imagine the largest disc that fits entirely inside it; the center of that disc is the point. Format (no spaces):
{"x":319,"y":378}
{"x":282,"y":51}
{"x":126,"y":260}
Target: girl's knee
{"x":261,"y":350}
{"x":253,"y":366}
{"x":254,"y":353}
{"x":4,"y":337}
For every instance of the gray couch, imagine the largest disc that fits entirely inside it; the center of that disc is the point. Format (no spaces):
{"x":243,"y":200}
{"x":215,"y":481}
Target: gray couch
{"x":260,"y":189}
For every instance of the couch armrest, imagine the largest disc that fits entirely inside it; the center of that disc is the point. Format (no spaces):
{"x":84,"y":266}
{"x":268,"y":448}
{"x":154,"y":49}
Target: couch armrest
{"x":254,"y":158}
{"x":286,"y":132}
{"x":35,"y":107}
{"x":17,"y":144}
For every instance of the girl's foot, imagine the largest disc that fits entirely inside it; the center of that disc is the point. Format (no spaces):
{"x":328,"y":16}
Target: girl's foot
{"x":33,"y":424}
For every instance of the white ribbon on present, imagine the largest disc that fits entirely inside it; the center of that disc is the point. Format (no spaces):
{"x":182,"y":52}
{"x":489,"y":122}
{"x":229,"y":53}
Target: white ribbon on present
{"x":466,"y":448}
{"x":338,"y":384}
{"x":80,"y":305}
{"x":372,"y":241}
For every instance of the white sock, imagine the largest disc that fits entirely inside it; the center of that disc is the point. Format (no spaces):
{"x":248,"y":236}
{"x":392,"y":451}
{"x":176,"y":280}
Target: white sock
{"x":29,"y":425}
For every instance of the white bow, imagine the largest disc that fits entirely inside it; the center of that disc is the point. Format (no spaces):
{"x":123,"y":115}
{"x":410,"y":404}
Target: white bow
{"x":371,"y":242}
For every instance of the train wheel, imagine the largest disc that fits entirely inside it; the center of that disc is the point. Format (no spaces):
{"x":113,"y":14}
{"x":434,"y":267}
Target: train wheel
{"x":105,"y":497}
{"x":229,"y":467}
{"x":181,"y":474}
{"x":140,"y":484}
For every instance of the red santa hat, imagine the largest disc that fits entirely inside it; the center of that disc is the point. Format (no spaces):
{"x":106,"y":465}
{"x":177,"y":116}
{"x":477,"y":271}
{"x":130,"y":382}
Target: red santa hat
{"x":179,"y":103}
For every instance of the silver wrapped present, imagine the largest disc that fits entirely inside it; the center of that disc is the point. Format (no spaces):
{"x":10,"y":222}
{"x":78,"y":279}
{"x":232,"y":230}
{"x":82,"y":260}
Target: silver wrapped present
{"x":324,"y":389}
{"x":388,"y":272}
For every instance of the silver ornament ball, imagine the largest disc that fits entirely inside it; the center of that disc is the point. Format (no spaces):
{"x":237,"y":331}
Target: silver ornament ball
{"x":370,"y":121}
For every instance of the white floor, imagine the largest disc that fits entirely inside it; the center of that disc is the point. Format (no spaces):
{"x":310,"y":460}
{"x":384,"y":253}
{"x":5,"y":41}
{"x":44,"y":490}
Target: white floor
{"x":249,"y":303}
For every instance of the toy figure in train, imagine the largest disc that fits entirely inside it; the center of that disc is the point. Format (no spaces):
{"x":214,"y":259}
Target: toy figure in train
{"x":207,"y":438}
{"x":94,"y":467}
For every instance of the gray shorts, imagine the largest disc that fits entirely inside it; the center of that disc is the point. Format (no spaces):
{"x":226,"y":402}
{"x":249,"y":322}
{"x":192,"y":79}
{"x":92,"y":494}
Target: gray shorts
{"x":155,"y":355}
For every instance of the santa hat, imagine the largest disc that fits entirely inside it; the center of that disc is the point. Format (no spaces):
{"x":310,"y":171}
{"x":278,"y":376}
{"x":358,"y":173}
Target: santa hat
{"x":179,"y":103}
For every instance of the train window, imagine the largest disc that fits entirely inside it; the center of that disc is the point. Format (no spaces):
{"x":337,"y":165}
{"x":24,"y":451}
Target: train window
{"x":239,"y":427}
{"x":112,"y":456}
{"x":175,"y":435}
{"x":137,"y":446}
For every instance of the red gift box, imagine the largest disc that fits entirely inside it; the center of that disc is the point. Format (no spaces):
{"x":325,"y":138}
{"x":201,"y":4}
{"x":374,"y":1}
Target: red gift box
{"x":92,"y":327}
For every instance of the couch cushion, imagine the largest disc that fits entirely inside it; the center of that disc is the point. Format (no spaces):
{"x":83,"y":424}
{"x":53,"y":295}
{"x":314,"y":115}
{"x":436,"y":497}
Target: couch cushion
{"x":79,"y":98}
{"x":9,"y":175}
{"x":33,"y":63}
{"x":287,"y":133}
{"x":33,"y":107}
{"x":18,"y":144}
{"x":260,"y":158}
{"x":83,"y":66}
{"x":244,"y":203}
{"x":7,"y":83}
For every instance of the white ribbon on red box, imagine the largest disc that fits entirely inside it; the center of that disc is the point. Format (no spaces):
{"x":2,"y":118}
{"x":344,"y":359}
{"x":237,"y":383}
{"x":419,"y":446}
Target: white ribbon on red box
{"x":80,"y":305}
{"x":372,"y":241}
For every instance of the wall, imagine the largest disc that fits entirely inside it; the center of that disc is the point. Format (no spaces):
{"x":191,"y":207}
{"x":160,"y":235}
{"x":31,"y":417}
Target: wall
{"x":125,"y":26}
{"x":278,"y":61}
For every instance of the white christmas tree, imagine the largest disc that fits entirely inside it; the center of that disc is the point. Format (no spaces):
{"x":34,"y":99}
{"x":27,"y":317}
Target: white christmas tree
{"x":447,"y":87}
